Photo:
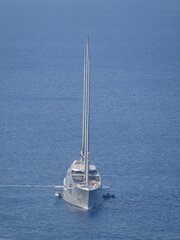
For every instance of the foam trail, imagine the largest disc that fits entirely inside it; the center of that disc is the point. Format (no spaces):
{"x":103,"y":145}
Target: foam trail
{"x":28,"y":186}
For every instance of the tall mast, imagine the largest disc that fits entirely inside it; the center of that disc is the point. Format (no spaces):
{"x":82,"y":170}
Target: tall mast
{"x":85,"y":125}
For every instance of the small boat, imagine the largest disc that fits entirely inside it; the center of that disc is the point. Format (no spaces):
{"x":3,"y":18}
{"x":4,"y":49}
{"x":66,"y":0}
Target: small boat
{"x":82,"y":184}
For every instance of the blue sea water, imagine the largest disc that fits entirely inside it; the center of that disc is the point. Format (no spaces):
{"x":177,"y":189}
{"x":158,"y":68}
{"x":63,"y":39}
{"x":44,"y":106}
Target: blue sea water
{"x":135,"y":116}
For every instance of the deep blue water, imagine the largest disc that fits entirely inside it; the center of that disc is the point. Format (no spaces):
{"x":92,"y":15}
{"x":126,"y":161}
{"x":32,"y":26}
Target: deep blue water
{"x":135,"y":116}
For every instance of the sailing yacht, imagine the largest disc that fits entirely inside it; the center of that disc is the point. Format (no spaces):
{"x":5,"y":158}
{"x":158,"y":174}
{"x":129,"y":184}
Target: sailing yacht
{"x":82,"y":185}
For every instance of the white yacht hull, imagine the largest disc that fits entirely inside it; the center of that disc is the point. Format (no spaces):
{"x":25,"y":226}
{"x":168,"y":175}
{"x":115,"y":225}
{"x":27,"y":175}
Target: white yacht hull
{"x":83,"y":198}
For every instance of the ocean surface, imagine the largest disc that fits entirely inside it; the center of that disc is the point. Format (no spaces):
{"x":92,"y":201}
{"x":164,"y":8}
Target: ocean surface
{"x":135,"y":117}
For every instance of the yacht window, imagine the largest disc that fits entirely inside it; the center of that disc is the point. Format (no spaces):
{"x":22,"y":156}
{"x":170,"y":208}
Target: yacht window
{"x":77,"y":172}
{"x":93,"y":172}
{"x":95,"y":178}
